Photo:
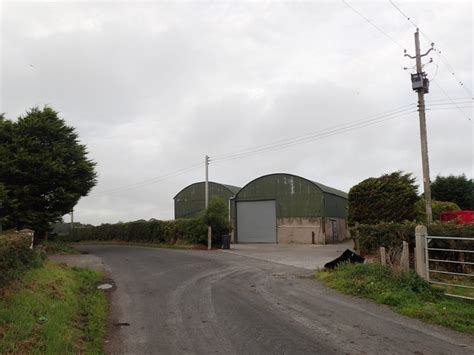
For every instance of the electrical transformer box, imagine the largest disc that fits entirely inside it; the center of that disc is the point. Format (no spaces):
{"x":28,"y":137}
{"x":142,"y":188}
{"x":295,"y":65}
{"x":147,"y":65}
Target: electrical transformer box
{"x":420,"y":81}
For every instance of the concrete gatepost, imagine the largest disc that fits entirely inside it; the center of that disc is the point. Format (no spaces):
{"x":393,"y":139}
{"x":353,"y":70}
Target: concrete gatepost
{"x":405,"y":257}
{"x":30,"y":233}
{"x":383,"y":256}
{"x":420,"y":254}
{"x":356,"y":237}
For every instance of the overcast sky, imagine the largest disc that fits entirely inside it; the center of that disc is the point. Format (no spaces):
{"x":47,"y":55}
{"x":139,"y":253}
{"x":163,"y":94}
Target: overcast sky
{"x":152,"y":87}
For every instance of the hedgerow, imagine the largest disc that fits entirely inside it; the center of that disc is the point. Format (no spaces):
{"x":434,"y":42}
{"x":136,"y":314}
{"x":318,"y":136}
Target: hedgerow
{"x":190,"y":230}
{"x":370,"y":237}
{"x":168,"y":232}
{"x":388,"y":198}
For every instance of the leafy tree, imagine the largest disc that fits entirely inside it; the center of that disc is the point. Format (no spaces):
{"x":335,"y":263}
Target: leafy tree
{"x":2,"y":202}
{"x":217,"y":216}
{"x":437,"y":208}
{"x":44,"y":169}
{"x":457,"y":189}
{"x":388,"y":198}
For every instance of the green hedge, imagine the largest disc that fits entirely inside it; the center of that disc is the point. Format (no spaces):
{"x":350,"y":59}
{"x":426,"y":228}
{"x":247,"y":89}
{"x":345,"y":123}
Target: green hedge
{"x":16,"y":256}
{"x":370,"y":237}
{"x":193,"y":231}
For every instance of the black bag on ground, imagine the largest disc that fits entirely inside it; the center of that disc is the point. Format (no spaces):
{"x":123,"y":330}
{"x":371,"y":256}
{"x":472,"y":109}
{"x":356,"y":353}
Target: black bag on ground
{"x":347,"y":256}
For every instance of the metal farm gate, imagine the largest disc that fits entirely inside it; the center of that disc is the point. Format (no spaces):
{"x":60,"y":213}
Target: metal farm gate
{"x":463,"y":270}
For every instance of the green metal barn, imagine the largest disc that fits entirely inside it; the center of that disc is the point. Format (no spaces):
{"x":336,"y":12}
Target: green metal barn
{"x":285,"y":208}
{"x":191,"y":200}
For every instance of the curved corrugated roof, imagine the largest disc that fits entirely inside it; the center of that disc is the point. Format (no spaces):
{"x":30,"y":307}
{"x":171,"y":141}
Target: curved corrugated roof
{"x":233,"y":189}
{"x":330,"y":190}
{"x":324,"y":188}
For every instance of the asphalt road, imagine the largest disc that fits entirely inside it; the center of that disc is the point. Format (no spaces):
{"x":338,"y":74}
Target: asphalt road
{"x":197,"y":302}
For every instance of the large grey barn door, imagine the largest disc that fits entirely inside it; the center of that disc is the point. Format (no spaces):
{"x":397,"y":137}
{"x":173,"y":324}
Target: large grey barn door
{"x":256,"y":222}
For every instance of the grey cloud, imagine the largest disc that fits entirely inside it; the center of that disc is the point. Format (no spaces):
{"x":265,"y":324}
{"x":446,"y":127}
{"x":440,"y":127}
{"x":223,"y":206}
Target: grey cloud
{"x":153,"y":87}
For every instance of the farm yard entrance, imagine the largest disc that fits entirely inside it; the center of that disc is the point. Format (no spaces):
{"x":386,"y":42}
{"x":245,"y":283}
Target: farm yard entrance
{"x":305,"y":256}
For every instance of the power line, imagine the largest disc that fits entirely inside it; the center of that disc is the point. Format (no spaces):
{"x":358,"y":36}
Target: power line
{"x":323,"y":133}
{"x":442,"y":90}
{"x":448,"y":108}
{"x":372,"y":24}
{"x":284,"y":141}
{"x":270,"y":147}
{"x":440,"y":54}
{"x":282,"y":144}
{"x":460,"y":82}
{"x":403,"y":14}
{"x":452,"y":101}
{"x":313,"y":136}
{"x":436,"y":64}
{"x":150,"y":181}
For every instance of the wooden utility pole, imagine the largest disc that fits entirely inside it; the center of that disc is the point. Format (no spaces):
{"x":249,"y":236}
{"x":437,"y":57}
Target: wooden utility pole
{"x":206,"y":201}
{"x":71,"y":225}
{"x":420,"y":85}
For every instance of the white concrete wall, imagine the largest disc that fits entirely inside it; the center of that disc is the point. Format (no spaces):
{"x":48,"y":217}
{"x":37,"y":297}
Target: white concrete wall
{"x":299,"y":231}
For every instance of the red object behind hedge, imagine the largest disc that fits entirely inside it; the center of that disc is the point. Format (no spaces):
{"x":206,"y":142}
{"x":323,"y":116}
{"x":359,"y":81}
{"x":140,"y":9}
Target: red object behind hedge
{"x":461,"y":217}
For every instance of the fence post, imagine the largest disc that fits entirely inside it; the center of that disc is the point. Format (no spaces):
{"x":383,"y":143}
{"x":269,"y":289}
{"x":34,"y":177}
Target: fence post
{"x":383,"y":256}
{"x":355,"y":238}
{"x":420,"y":237}
{"x":405,"y":257}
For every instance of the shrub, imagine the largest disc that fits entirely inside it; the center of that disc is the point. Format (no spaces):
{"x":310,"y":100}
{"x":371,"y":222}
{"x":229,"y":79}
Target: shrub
{"x":189,"y":230}
{"x":217,"y":216}
{"x":370,"y":237}
{"x":437,"y":207}
{"x":388,"y":198}
{"x":457,"y":189}
{"x":192,"y":230}
{"x":16,"y":256}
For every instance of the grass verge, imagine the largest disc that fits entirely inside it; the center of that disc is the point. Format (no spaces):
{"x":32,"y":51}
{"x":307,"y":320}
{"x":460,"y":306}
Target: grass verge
{"x":144,"y":244}
{"x":405,"y":292}
{"x":58,"y":247}
{"x":460,"y":280}
{"x":53,"y":309}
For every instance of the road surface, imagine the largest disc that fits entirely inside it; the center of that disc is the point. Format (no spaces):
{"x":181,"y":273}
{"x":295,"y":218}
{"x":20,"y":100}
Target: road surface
{"x":198,"y":302}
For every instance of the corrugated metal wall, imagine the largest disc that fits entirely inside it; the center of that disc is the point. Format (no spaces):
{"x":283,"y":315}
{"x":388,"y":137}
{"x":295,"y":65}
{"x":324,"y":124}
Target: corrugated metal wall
{"x":304,"y":209}
{"x":295,"y":196}
{"x":335,"y":206}
{"x":190,"y":201}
